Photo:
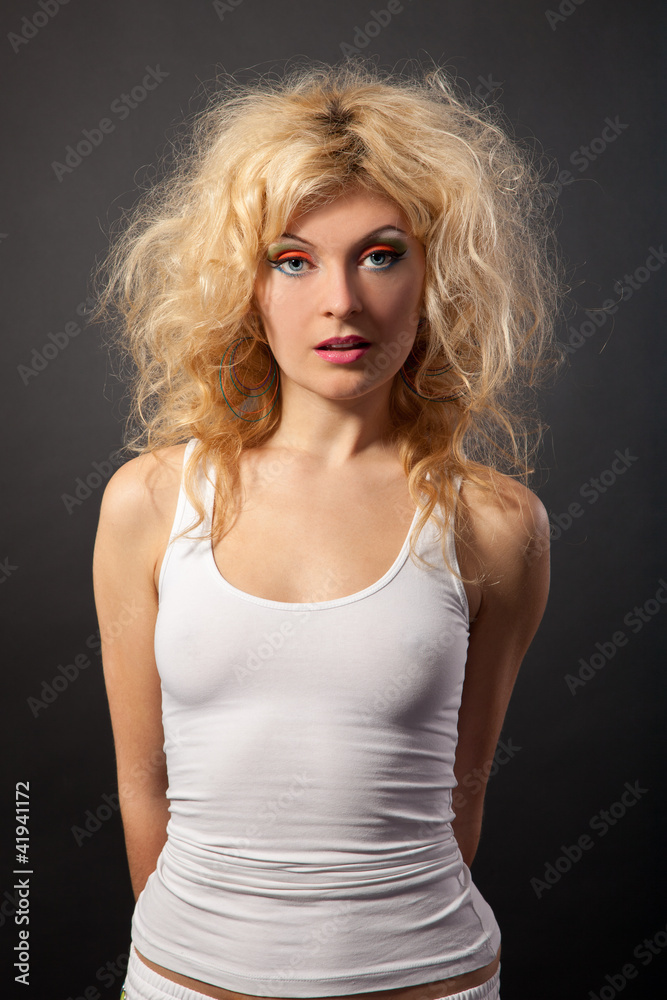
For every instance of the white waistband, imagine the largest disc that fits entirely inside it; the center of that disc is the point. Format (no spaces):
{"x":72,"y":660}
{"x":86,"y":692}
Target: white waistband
{"x":143,"y":983}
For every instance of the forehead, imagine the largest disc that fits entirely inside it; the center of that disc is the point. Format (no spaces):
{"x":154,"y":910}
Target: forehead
{"x":348,"y":213}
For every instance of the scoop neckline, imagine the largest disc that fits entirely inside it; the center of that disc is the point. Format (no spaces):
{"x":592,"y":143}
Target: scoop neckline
{"x":359,"y":595}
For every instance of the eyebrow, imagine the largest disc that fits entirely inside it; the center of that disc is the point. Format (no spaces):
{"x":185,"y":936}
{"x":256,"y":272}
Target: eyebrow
{"x":380,"y":231}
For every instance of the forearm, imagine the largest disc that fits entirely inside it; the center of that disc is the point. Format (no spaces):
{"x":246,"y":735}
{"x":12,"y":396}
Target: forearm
{"x":145,"y":826}
{"x":467,"y":823}
{"x":467,"y":837}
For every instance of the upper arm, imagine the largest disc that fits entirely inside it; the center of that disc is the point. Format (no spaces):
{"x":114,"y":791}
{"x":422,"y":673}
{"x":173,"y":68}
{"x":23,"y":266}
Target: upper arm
{"x":134,"y":519}
{"x":508,"y":536}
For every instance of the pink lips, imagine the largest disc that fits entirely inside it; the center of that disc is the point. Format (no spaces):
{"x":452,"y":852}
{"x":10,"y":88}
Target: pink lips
{"x":342,"y":350}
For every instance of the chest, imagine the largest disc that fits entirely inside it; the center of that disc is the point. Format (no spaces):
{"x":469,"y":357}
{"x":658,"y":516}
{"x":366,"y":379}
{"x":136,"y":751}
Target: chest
{"x":303,"y":539}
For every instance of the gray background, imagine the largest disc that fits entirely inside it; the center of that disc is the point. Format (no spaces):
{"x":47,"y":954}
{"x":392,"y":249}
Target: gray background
{"x":559,"y":77}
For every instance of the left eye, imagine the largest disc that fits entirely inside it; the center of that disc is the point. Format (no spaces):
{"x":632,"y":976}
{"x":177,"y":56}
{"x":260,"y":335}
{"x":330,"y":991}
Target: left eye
{"x":378,"y":256}
{"x":296,"y":261}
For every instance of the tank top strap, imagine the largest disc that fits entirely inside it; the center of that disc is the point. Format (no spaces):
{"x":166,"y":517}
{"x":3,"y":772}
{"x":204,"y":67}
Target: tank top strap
{"x":204,"y":490}
{"x":451,"y":548}
{"x":184,"y":516}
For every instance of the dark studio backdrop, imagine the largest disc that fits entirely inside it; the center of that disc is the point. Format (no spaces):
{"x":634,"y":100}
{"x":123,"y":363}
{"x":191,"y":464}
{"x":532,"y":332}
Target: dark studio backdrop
{"x":572,"y":851}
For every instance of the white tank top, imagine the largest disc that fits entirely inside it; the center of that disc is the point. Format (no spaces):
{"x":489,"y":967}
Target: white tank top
{"x":310,"y":753}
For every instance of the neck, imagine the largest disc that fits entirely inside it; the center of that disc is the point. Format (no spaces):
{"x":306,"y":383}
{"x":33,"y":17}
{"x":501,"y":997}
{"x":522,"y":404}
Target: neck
{"x":333,"y":432}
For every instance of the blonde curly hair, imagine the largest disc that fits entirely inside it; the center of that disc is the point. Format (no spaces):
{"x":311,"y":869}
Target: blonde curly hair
{"x":180,"y":274}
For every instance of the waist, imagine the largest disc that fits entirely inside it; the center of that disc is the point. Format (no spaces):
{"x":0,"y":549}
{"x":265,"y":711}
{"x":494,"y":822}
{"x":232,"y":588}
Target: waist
{"x":279,"y":932}
{"x":312,"y":871}
{"x":154,"y":975}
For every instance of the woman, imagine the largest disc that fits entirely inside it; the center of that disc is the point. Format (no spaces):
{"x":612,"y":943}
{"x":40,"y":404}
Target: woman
{"x":328,"y":303}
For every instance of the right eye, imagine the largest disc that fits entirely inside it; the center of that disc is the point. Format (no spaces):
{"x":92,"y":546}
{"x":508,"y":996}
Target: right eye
{"x":291,"y":263}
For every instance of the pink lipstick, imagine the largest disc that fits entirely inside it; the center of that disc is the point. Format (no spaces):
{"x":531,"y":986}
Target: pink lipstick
{"x":342,"y":350}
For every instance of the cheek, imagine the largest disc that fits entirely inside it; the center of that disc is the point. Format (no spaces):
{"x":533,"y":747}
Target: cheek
{"x":269,"y":292}
{"x":279,"y":305}
{"x":282,"y":319}
{"x":408,"y":286}
{"x":401,"y":304}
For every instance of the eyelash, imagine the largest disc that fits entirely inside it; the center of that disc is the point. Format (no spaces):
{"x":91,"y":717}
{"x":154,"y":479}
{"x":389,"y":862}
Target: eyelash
{"x":288,"y":256}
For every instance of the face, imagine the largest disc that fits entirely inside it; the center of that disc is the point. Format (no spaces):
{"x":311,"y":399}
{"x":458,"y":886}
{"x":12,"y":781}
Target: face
{"x":349,"y":269}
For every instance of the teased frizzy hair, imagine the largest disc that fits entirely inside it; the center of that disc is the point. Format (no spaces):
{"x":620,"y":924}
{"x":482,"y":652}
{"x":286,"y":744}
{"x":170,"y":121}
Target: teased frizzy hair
{"x":181,"y":272}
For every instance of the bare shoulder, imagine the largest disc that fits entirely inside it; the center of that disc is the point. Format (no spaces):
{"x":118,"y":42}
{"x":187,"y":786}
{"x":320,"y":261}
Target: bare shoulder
{"x":141,"y":495}
{"x":137,"y":512}
{"x":505,"y":513}
{"x":504,"y":533}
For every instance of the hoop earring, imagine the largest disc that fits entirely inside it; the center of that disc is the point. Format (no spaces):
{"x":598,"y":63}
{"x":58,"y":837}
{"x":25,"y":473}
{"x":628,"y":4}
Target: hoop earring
{"x":250,"y":392}
{"x":405,"y":374}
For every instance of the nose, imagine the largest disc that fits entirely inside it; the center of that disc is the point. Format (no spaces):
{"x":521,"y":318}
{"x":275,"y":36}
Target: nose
{"x":340,"y":295}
